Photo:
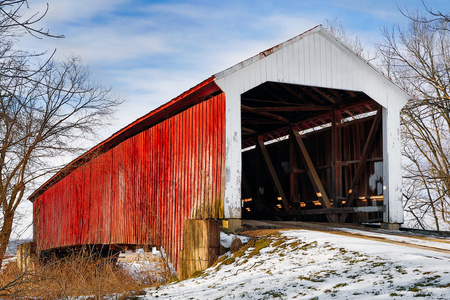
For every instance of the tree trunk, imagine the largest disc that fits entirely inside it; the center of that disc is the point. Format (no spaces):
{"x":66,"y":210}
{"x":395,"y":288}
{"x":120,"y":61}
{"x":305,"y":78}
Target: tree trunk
{"x":5,"y":234}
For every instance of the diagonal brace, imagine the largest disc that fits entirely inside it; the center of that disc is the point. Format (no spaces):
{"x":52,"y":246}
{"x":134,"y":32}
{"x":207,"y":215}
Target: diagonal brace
{"x":272,"y":172}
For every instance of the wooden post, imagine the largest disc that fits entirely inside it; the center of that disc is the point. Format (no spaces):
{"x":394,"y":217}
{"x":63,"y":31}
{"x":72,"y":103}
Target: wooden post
{"x":201,"y":245}
{"x":362,"y":160}
{"x":336,"y":156}
{"x":26,"y":256}
{"x":273,"y":173}
{"x":312,"y":173}
{"x":293,"y":163}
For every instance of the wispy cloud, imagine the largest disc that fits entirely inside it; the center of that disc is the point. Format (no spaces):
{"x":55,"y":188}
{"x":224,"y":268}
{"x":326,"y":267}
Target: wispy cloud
{"x":66,"y":12}
{"x":151,"y":51}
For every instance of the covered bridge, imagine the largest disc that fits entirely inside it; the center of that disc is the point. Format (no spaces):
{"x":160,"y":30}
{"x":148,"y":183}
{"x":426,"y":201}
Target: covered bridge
{"x":306,"y":130}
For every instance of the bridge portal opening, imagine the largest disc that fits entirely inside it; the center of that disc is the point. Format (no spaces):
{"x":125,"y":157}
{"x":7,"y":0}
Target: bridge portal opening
{"x":311,"y":154}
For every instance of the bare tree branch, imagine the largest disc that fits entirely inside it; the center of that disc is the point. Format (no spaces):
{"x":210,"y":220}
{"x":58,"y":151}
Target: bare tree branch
{"x":418,"y":57}
{"x":45,"y":107}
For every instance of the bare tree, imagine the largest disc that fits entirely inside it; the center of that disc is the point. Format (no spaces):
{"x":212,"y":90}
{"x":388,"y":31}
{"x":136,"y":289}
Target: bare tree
{"x":45,"y":108}
{"x":12,"y":22}
{"x":352,"y":41}
{"x":418,"y":57}
{"x":437,"y":19}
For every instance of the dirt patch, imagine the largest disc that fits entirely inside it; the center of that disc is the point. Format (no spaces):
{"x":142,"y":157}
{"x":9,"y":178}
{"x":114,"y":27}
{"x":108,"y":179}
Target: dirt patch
{"x":259,"y":233}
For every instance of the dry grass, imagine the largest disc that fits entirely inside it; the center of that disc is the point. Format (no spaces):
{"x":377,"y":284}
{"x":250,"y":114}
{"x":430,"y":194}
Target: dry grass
{"x":77,"y":276}
{"x":260,"y":232}
{"x":236,"y":244}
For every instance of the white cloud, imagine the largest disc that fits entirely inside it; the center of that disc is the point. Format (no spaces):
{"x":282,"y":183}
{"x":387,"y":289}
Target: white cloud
{"x":152,"y":51}
{"x":67,"y":11}
{"x":107,"y":44}
{"x":156,"y":50}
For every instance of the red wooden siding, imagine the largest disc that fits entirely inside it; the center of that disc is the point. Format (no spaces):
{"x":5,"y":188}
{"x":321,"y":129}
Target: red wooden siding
{"x":142,"y":190}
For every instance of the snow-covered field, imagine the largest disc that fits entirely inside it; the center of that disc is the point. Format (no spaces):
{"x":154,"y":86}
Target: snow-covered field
{"x":301,"y":264}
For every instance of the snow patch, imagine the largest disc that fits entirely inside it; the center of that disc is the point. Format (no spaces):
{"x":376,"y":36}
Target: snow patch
{"x":301,"y":264}
{"x":226,"y":239}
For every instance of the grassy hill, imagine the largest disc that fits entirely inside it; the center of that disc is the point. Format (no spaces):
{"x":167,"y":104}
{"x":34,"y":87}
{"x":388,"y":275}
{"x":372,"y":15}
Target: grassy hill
{"x":303,"y":264}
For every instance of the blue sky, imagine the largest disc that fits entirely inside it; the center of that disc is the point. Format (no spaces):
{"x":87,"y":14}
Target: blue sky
{"x":151,"y":51}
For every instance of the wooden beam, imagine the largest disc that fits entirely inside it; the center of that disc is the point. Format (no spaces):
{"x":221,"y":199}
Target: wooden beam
{"x":277,"y":101}
{"x":335,"y":93}
{"x":312,"y":170}
{"x":262,"y":122}
{"x":336,"y":156}
{"x":329,"y":98}
{"x":292,"y":92}
{"x":365,"y":151}
{"x":270,"y":102}
{"x":312,"y":173}
{"x":350,"y":162}
{"x":248,"y":130}
{"x":338,"y":210}
{"x":266,"y":114}
{"x":362,"y":162}
{"x":273,"y":173}
{"x":352,"y":94}
{"x":293,"y":176}
{"x":274,"y":91}
{"x":310,"y":95}
{"x":291,"y":108}
{"x":351,"y":102}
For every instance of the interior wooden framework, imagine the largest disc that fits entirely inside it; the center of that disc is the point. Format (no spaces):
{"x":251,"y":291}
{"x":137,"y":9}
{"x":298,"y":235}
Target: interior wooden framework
{"x":311,"y":153}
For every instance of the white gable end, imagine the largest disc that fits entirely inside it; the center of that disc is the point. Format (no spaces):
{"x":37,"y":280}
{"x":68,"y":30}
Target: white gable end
{"x":314,"y":58}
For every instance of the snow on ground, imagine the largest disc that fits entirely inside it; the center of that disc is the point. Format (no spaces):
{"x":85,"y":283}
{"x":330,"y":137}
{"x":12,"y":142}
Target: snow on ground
{"x":301,"y":264}
{"x":424,"y":241}
{"x":147,"y":267}
{"x":7,"y":260}
{"x":226,"y":239}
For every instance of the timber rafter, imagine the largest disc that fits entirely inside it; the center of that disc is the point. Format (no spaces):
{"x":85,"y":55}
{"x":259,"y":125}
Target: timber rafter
{"x":278,"y":111}
{"x":266,"y":107}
